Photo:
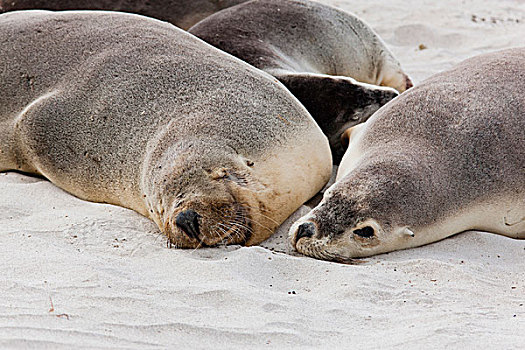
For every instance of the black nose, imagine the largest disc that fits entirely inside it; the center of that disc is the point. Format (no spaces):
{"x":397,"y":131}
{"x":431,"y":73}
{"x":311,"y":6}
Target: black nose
{"x":188,"y":222}
{"x":305,"y":230}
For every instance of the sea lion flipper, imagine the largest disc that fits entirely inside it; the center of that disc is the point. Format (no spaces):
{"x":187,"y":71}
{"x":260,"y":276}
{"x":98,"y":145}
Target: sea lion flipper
{"x":336,"y":102}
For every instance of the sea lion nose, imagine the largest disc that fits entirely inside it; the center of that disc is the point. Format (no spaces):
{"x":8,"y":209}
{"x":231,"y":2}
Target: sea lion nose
{"x":188,"y":222}
{"x":305,"y":230}
{"x":408,"y":82}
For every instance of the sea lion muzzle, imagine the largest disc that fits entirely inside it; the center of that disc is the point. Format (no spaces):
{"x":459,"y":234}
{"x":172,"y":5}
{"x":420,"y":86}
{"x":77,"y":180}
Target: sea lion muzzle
{"x":188,"y":222}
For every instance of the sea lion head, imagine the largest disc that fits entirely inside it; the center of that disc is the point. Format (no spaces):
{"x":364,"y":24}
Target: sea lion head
{"x":389,"y":73}
{"x":361,"y":215}
{"x":359,"y":101}
{"x":205,"y":194}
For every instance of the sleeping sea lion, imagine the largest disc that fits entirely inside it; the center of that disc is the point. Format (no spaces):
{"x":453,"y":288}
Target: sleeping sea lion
{"x":123,"y":109}
{"x":445,"y":157}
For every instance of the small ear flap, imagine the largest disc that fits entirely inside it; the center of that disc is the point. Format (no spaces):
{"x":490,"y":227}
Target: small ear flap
{"x":407,"y":232}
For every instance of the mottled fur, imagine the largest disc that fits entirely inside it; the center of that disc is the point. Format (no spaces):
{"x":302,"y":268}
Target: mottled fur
{"x":182,"y":13}
{"x":314,"y":50}
{"x":447,"y":156}
{"x":123,"y":109}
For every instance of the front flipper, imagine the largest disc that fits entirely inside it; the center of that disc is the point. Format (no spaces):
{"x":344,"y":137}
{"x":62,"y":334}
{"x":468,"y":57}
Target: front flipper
{"x":335,"y":102}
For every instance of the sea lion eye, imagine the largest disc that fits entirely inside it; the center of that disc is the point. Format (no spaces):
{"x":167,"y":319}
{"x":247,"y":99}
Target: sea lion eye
{"x":365,"y":232}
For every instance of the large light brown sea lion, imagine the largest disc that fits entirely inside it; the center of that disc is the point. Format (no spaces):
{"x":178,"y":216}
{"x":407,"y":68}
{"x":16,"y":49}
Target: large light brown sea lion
{"x":445,"y":157}
{"x":182,"y":13}
{"x":318,"y":52}
{"x":123,"y":109}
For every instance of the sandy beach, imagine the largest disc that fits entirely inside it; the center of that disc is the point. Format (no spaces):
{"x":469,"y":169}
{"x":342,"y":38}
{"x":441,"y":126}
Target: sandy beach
{"x":77,"y":274}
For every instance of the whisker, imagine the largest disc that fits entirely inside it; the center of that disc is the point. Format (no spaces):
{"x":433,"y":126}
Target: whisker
{"x":225,"y":236}
{"x":242,"y":226}
{"x":219,"y":227}
{"x":197,"y":247}
{"x":265,"y":216}
{"x":248,"y":219}
{"x":214,"y":232}
{"x":226,"y":228}
{"x":223,"y":239}
{"x":244,"y":204}
{"x":236,"y":229}
{"x":231,"y":233}
{"x":234,"y":232}
{"x":259,"y":224}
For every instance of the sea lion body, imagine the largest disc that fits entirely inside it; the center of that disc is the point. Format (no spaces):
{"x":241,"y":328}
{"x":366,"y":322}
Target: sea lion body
{"x":318,"y":52}
{"x":446,"y":157}
{"x":127,"y":110}
{"x":182,"y":13}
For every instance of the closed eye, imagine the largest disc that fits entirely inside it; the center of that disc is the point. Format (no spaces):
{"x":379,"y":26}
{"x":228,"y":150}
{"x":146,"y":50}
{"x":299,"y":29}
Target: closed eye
{"x":237,"y":178}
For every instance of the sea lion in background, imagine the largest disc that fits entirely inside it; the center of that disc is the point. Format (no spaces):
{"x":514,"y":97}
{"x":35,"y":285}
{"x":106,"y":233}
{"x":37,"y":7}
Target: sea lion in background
{"x":182,"y":13}
{"x":318,"y":52}
{"x":123,"y":109}
{"x":445,"y":157}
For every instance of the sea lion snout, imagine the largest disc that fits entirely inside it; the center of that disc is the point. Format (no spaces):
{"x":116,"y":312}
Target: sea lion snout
{"x":305,"y":230}
{"x":408,"y":82}
{"x":188,"y":222}
{"x":394,"y":77}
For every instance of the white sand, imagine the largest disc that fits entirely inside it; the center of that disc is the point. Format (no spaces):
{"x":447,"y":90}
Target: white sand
{"x":79,"y":274}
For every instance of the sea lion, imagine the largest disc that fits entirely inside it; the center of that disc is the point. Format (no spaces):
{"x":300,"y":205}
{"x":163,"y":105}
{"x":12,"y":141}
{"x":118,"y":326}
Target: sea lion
{"x":318,"y":52}
{"x":445,"y":157}
{"x":123,"y":109}
{"x":182,"y":13}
